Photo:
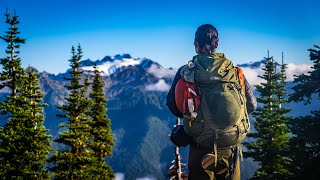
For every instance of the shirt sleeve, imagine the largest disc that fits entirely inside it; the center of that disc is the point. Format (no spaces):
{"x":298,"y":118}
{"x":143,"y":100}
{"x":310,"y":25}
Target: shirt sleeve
{"x":171,"y":102}
{"x":251,"y":99}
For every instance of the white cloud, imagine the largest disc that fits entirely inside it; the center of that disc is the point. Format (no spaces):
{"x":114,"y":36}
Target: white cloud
{"x":119,"y":176}
{"x":161,"y":72}
{"x":161,"y":85}
{"x":252,"y":75}
{"x":293,"y":69}
{"x":146,"y":178}
{"x":297,"y":69}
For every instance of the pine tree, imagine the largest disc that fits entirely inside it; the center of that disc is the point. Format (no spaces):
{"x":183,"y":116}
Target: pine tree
{"x":24,"y":143}
{"x":102,"y":139}
{"x":75,"y":161}
{"x":36,"y":142}
{"x":305,"y":141}
{"x":306,"y":85}
{"x":271,"y":137}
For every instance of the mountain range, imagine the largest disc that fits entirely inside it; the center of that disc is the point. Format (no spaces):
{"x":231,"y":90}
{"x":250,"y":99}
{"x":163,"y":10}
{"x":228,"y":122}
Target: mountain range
{"x":136,"y":90}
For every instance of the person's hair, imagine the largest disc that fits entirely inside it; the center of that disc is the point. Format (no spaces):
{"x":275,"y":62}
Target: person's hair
{"x":206,"y":35}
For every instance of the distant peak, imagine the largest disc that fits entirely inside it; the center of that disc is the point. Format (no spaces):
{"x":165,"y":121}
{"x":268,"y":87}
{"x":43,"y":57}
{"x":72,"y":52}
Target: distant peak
{"x":105,"y":59}
{"x":123,"y":56}
{"x":110,"y":64}
{"x":146,"y":63}
{"x":127,"y":56}
{"x":253,"y":65}
{"x":87,"y":62}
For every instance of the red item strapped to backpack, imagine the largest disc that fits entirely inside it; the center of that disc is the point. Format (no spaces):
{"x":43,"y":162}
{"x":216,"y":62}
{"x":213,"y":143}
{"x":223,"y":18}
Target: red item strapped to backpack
{"x":186,"y":98}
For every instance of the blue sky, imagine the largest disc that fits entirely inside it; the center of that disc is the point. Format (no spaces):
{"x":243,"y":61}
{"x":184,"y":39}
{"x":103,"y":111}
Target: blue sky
{"x":162,"y":30}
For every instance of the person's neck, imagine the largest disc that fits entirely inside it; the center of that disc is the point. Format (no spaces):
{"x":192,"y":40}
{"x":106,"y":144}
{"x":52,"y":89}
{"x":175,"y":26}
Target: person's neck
{"x":206,"y":53}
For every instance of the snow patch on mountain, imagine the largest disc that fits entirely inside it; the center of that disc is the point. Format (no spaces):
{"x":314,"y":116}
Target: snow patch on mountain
{"x":161,"y":86}
{"x":110,"y":67}
{"x":161,"y":72}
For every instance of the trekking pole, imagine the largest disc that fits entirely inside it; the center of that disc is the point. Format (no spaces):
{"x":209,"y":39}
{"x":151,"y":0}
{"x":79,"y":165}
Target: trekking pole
{"x":178,"y":157}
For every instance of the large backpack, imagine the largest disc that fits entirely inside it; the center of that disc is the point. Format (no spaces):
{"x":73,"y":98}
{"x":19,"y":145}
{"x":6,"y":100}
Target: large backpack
{"x":222,"y":120}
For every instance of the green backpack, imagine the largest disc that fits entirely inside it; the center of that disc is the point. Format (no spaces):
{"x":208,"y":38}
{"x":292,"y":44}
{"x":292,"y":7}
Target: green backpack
{"x":222,"y":119}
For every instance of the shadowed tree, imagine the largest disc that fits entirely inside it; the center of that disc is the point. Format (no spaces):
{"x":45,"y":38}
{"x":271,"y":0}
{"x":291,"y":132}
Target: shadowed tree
{"x":271,"y":137}
{"x":305,"y":141}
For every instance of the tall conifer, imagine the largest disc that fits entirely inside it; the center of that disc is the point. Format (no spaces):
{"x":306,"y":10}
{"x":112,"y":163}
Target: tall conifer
{"x":75,"y":161}
{"x":305,"y":141}
{"x":24,"y":144}
{"x":102,"y":139}
{"x":271,"y":135}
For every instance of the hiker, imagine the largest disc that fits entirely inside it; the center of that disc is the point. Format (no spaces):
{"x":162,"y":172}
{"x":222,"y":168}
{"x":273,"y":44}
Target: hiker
{"x":219,"y":122}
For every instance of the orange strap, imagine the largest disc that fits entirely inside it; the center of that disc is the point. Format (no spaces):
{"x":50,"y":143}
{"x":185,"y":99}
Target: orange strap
{"x":241,"y":78}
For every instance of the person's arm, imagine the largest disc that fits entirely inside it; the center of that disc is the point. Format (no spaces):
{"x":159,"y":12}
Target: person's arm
{"x":251,"y":99}
{"x":171,"y":102}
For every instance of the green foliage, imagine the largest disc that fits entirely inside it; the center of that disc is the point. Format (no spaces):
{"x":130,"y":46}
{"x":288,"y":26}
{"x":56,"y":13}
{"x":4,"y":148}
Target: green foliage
{"x":305,"y":141}
{"x":87,"y":133}
{"x":306,"y":85}
{"x":24,"y":143}
{"x":102,"y":139}
{"x":12,"y":70}
{"x":75,"y":161}
{"x":271,"y":137}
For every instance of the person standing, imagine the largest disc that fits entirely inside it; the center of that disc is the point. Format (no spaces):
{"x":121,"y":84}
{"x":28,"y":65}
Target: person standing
{"x":221,"y":122}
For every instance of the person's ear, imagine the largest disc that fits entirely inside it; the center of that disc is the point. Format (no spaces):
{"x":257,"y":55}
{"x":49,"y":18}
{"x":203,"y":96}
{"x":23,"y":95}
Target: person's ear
{"x":196,"y":46}
{"x":216,"y":43}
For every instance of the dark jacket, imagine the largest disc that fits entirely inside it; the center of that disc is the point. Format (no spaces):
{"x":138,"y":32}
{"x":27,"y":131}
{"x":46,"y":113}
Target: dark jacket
{"x":171,"y":102}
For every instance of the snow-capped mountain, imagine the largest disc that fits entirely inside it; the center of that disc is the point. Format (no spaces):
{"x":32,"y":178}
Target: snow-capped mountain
{"x":108,"y":65}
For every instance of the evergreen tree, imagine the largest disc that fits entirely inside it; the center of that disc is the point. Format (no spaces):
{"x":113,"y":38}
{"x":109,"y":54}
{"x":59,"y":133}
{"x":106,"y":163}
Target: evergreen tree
{"x":305,"y":141}
{"x":24,"y":143}
{"x":306,"y":85}
{"x":36,"y":142}
{"x":102,"y":139}
{"x":75,"y":161}
{"x":271,"y":137}
{"x":12,"y":71}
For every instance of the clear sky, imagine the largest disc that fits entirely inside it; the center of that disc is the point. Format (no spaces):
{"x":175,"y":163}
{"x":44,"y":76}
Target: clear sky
{"x":162,"y":30}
